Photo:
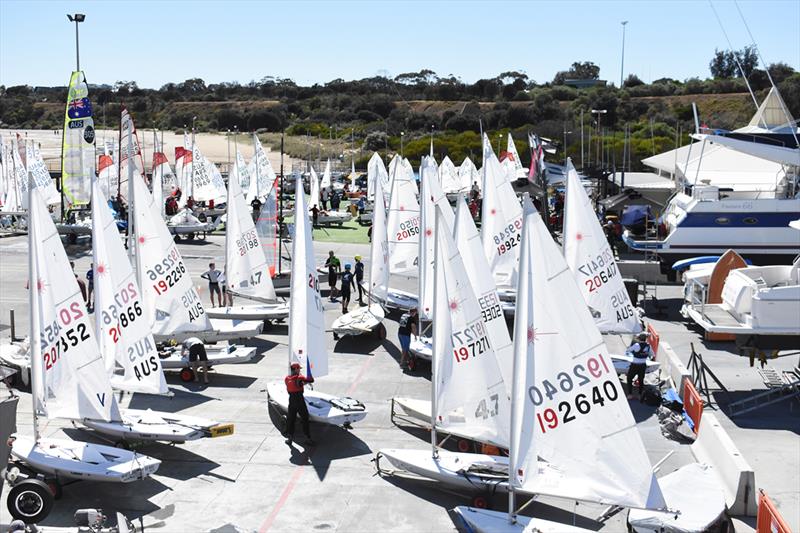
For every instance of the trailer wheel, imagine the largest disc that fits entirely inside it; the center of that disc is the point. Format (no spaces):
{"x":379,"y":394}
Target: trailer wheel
{"x":412,"y":363}
{"x":190,"y":236}
{"x":380,"y":331}
{"x":176,"y":238}
{"x":72,"y":238}
{"x":481,"y":502}
{"x":187,"y":375}
{"x":122,"y":445}
{"x":335,"y":336}
{"x":30,"y":501}
{"x":463,"y":445}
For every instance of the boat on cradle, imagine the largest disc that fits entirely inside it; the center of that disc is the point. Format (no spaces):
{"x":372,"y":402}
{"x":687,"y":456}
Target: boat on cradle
{"x":57,"y":383}
{"x":219,"y":330}
{"x":277,"y":312}
{"x":137,"y":425}
{"x":361,"y":321}
{"x":739,"y":191}
{"x":307,"y":334}
{"x":185,"y":223}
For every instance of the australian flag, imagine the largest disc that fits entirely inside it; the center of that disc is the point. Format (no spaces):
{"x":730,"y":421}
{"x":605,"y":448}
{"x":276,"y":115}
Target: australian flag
{"x":79,"y":108}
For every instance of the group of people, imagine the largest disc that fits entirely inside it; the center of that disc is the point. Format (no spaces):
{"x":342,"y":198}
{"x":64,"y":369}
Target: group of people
{"x":217,"y":286}
{"x":351,"y":280}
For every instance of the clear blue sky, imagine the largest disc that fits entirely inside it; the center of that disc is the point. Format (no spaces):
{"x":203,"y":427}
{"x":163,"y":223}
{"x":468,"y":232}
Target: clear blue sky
{"x":154,"y":42}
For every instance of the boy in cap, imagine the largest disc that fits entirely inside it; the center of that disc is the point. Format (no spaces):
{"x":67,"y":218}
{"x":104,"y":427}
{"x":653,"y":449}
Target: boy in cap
{"x":295,"y":382}
{"x":359,"y":275}
{"x":347,"y":283}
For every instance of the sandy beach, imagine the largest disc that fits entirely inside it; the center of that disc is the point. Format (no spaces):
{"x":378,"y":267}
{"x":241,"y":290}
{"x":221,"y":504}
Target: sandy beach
{"x":214,"y":146}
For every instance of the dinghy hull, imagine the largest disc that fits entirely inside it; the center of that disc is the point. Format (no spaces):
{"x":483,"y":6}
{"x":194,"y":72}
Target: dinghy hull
{"x":322,"y":408}
{"x":486,"y":521}
{"x":66,"y":459}
{"x":218,"y":356}
{"x":360,"y":321}
{"x":146,"y":425}
{"x":250,"y":312}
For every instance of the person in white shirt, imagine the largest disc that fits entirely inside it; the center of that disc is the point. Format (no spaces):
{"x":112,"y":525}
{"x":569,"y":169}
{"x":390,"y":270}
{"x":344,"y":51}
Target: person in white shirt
{"x":213,"y":276}
{"x":194,"y":348}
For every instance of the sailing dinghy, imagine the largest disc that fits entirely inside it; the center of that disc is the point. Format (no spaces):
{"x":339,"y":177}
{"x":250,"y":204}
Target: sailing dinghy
{"x":369,"y":319}
{"x":586,"y":391}
{"x":171,"y":303}
{"x":125,"y":341}
{"x":246,"y":270}
{"x":307,"y":330}
{"x":68,"y":376}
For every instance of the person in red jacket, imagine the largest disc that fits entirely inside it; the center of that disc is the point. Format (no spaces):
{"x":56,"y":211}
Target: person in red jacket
{"x":297,"y":403}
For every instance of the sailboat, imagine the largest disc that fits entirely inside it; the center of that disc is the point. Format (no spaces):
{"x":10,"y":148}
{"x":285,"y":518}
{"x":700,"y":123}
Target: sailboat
{"x":468,"y":175}
{"x":325,"y":217}
{"x":403,"y":227}
{"x":307,"y":331}
{"x":468,"y":243}
{"x":512,"y":154}
{"x":172,"y":304}
{"x":260,"y":173}
{"x":127,"y":346}
{"x":368,"y":319}
{"x":574,"y":381}
{"x":501,"y":222}
{"x":68,"y":375}
{"x":246,"y":271}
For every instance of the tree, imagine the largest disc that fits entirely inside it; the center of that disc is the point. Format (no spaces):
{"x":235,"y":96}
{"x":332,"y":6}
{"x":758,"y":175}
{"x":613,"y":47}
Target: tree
{"x":578,"y":71}
{"x":724,"y":63}
{"x":632,"y":81}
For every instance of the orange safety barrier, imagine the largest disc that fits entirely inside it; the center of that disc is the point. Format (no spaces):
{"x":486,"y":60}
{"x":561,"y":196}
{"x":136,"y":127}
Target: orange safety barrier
{"x":692,"y":404}
{"x":769,"y":520}
{"x":653,"y":338}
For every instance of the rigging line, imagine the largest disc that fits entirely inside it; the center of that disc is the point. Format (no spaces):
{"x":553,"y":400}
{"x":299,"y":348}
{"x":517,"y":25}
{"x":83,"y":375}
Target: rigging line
{"x":769,"y":76}
{"x":735,"y":58}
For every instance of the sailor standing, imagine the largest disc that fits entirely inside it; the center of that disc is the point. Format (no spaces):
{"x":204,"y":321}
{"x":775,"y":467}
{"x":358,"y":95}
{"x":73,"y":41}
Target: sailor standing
{"x":640,"y":351}
{"x":295,"y":382}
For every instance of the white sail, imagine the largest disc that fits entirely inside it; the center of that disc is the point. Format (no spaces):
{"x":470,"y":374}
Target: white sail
{"x":172,"y":304}
{"x":468,"y":241}
{"x":12,"y":201}
{"x":128,"y":138}
{"x":325,"y":181}
{"x":431,"y":195}
{"x":262,"y":176}
{"x":239,"y":172}
{"x":74,"y":382}
{"x":123,"y":331}
{"x":376,"y":170}
{"x":582,"y":422}
{"x":471,"y":397}
{"x":468,"y":175}
{"x":314,"y":199}
{"x":108,"y":174}
{"x":41,"y":176}
{"x":448,"y":176}
{"x":501,"y":219}
{"x":403,"y":221}
{"x":3,"y":172}
{"x":591,"y":260}
{"x":183,"y":165}
{"x":20,"y":176}
{"x":379,"y":250}
{"x":513,"y":155}
{"x":246,"y":268}
{"x":207,"y":183}
{"x":306,"y":318}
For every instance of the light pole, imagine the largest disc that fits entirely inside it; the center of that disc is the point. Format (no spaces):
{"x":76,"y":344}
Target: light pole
{"x":499,"y":143}
{"x":565,"y":145}
{"x":622,"y":66}
{"x":229,"y":151}
{"x":599,"y":113}
{"x":402,"y":134}
{"x":77,"y":18}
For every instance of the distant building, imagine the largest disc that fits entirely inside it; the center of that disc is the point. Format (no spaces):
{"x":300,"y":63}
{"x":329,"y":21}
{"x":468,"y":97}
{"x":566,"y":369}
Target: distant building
{"x":585,"y":84}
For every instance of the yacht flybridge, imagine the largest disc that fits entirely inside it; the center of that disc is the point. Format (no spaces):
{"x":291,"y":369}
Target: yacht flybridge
{"x":740,"y":190}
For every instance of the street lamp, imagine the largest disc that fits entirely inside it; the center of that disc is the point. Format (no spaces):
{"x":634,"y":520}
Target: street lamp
{"x":599,"y":113}
{"x":499,"y":143}
{"x":402,"y":134}
{"x":77,"y":18}
{"x":565,"y":145}
{"x":622,"y":66}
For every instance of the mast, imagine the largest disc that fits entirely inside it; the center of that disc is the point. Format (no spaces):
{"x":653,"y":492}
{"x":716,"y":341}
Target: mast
{"x":130,"y":190}
{"x":255,"y":148}
{"x":280,"y":212}
{"x":33,"y":299}
{"x":435,"y":339}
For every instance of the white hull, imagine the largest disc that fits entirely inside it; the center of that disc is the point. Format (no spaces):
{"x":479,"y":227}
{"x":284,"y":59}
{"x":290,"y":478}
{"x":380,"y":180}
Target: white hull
{"x":146,"y":425}
{"x":419,"y":411}
{"x":17,"y":356}
{"x":623,"y":362}
{"x":186,"y":229}
{"x":320,"y":406}
{"x":486,"y":521}
{"x":421,"y":347}
{"x":67,"y":459}
{"x":250,"y":312}
{"x":222,"y":330}
{"x":401,"y":300}
{"x":230,"y":355}
{"x":360,"y":321}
